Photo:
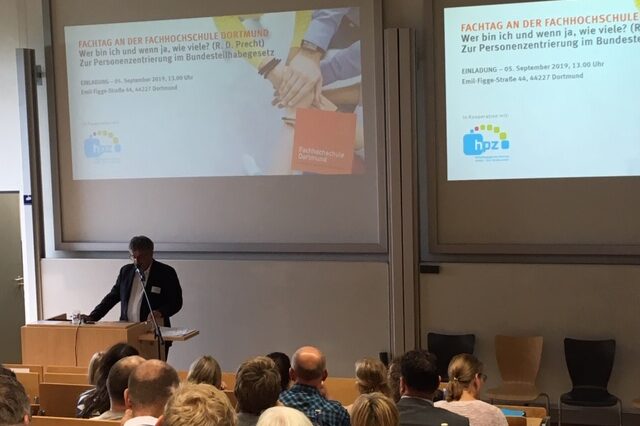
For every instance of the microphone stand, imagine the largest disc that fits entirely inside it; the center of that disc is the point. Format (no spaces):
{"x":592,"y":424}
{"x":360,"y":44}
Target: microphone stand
{"x":156,"y":328}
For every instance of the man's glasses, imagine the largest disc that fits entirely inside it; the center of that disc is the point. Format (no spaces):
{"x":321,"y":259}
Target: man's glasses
{"x":133,"y":256}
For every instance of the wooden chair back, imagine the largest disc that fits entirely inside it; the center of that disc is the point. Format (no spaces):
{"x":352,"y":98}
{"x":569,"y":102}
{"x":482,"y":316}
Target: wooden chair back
{"x":519,"y":358}
{"x":31,"y":383}
{"x":60,"y":399}
{"x":72,"y":378}
{"x":183,"y":375}
{"x":65,"y":421}
{"x":33,"y":368}
{"x":65,"y":369}
{"x":342,"y":389}
{"x":229,"y":379}
{"x":516,"y":421}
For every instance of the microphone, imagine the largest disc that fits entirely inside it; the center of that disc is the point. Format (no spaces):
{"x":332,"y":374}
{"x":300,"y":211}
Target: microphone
{"x":141,"y":274}
{"x":156,"y":327}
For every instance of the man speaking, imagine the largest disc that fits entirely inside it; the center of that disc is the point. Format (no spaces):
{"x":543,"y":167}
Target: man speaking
{"x":161,"y":284}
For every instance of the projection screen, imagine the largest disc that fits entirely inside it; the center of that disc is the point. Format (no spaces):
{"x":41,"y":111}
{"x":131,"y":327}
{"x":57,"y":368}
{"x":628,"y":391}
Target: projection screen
{"x":216,"y":126}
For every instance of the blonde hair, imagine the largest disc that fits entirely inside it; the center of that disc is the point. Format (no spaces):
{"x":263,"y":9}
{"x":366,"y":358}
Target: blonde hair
{"x":92,"y":370}
{"x":374,"y":409}
{"x":283,"y":416}
{"x":257,"y":385}
{"x":371,"y":375}
{"x":463,"y":368}
{"x":198,"y":405}
{"x":205,"y":370}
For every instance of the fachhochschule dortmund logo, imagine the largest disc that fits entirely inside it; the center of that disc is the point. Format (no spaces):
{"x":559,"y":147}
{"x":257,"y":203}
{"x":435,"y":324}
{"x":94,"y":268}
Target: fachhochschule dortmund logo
{"x":101,"y":143}
{"x":485,"y":139}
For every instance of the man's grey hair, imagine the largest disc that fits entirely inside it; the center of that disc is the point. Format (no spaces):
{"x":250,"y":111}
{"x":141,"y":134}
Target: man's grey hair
{"x":14,"y":402}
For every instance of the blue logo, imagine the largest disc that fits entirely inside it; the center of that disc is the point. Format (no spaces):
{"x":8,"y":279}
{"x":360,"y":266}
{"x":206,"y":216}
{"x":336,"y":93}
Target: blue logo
{"x":484,"y":138}
{"x":101,"y":143}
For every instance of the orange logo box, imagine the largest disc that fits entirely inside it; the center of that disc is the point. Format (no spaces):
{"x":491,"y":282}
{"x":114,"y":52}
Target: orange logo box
{"x":323,"y":141}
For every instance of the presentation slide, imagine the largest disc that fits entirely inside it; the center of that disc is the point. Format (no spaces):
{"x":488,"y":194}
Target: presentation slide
{"x":264,"y":94}
{"x":544,"y":89}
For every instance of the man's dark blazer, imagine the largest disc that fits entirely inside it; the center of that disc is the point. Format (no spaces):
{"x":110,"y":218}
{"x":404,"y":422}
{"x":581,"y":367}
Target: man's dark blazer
{"x":162,"y":286}
{"x":419,"y":412}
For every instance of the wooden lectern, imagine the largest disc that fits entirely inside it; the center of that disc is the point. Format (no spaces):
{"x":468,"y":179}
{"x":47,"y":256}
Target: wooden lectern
{"x":63,"y":343}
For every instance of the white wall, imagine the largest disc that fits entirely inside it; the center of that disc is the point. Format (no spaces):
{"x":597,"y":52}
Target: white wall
{"x":555,"y":301}
{"x":247,"y":308}
{"x":10,"y":39}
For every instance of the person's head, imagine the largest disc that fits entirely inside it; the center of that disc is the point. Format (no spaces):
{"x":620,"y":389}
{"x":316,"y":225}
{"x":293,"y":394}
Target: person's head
{"x":98,"y":399}
{"x":283,"y":416}
{"x":371,"y":376}
{"x":112,"y":355}
{"x":141,"y":251}
{"x":150,"y":385}
{"x":6,"y":372}
{"x":198,"y":404}
{"x":257,"y":385}
{"x":283,"y":364}
{"x":205,"y":370}
{"x":15,"y":408}
{"x":374,"y":409}
{"x":418,"y":374}
{"x":393,"y":377}
{"x":308,"y":366}
{"x":92,"y":370}
{"x":465,"y":374}
{"x":118,"y":380}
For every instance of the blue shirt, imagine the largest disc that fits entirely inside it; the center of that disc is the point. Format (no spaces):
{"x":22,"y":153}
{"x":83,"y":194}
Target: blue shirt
{"x":345,"y":63}
{"x":319,"y":410}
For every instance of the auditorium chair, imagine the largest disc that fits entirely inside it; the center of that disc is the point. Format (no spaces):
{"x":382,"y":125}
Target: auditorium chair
{"x":60,"y":399}
{"x":519,"y":362}
{"x":446,"y":346}
{"x":590,"y":363}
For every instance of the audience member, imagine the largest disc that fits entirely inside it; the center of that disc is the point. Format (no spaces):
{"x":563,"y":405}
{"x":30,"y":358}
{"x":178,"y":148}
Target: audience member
{"x":308,"y":372}
{"x":283,"y":416}
{"x":199,"y":404}
{"x":418,"y":381}
{"x":393,"y":376}
{"x":92,"y":369}
{"x":371,"y":376}
{"x":96,"y":401}
{"x":257,"y":388}
{"x":206,"y":370}
{"x":15,"y":408}
{"x":465,"y":383}
{"x":283,"y":363}
{"x":117,"y":382}
{"x":150,"y":386}
{"x":6,"y":372}
{"x":374,"y":409}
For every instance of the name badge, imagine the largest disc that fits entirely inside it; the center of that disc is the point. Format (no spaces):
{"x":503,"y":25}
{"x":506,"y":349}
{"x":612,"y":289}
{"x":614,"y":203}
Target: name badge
{"x":155,"y":290}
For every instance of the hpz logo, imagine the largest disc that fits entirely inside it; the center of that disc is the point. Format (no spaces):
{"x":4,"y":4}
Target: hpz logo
{"x":101,"y":142}
{"x":484,"y":138}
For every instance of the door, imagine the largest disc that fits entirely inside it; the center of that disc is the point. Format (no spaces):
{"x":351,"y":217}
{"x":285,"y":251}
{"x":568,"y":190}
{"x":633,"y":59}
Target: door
{"x":11,"y":286}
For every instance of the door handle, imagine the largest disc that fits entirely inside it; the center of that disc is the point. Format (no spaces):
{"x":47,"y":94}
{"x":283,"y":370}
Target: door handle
{"x":19,"y":280}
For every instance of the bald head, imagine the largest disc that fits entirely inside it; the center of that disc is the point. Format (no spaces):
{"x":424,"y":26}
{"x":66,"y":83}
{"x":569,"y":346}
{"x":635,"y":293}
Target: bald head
{"x":308,"y":366}
{"x":150,"y":385}
{"x":118,"y":379}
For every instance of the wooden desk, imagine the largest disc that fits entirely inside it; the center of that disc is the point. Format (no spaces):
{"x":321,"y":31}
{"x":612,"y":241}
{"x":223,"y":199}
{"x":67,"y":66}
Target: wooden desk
{"x":61,"y":343}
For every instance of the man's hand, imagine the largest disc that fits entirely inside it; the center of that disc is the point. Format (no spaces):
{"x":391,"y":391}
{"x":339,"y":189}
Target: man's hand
{"x":301,"y":79}
{"x":158,"y":316}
